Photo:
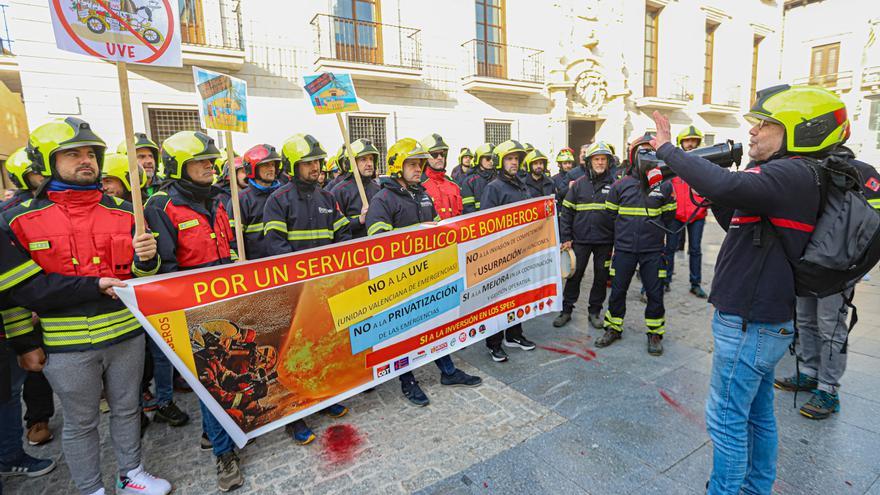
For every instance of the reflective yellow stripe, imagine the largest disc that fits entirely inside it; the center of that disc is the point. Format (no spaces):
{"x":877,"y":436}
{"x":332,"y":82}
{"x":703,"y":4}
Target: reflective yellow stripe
{"x":14,"y":314}
{"x":255,"y":228}
{"x":142,"y":273}
{"x":612,"y":272}
{"x":232,"y":223}
{"x":661,"y":273}
{"x":468,"y":200}
{"x":638,"y":211}
{"x":86,"y":322}
{"x":342,"y":222}
{"x":90,"y":336}
{"x":437,"y":218}
{"x":655,"y":321}
{"x":875,"y":203}
{"x":477,"y":205}
{"x":613,"y":323}
{"x":233,"y":255}
{"x":236,"y":401}
{"x":379,"y":227}
{"x":307,"y":235}
{"x":587,"y":206}
{"x":10,"y":278}
{"x":275,"y":225}
{"x":611,"y":206}
{"x":670,"y":207}
{"x":607,"y":263}
{"x":18,"y":328}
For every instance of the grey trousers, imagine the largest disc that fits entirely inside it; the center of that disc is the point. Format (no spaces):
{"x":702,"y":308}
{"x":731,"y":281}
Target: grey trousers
{"x":821,"y":327}
{"x":78,"y":379}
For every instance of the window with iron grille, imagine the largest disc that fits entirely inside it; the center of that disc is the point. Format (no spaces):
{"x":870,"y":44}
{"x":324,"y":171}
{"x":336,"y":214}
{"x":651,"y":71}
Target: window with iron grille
{"x":708,"y":139}
{"x":166,"y":121}
{"x":497,"y":132}
{"x":372,"y":128}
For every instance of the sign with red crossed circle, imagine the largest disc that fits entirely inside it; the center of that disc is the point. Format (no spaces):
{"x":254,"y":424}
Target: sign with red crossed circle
{"x":133,"y":31}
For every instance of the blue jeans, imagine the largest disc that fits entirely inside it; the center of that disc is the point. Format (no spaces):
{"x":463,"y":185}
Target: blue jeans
{"x":221,"y":441}
{"x":695,"y":253}
{"x":447,"y":367}
{"x":163,"y":374}
{"x":11,"y":430}
{"x":739,"y":411}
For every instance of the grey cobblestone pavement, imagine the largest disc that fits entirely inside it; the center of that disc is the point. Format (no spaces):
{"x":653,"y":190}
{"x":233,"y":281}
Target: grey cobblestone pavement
{"x":566,"y":418}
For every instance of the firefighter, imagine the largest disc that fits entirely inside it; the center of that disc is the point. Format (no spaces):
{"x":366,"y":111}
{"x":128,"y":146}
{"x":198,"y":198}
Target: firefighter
{"x":465,"y":165}
{"x":565,"y":162}
{"x":330,"y":170}
{"x":71,"y":228}
{"x":222,"y":178}
{"x":300,"y":215}
{"x":343,"y":167}
{"x":506,"y":188}
{"x":588,"y":228}
{"x":346,"y":192}
{"x":688,"y":217}
{"x":115,"y":179}
{"x":639,"y":222}
{"x":19,"y":170}
{"x":483,"y":173}
{"x":262,"y":166}
{"x":403,"y":202}
{"x":193,"y":231}
{"x":444,"y":192}
{"x":147,"y":153}
{"x":536,"y":178}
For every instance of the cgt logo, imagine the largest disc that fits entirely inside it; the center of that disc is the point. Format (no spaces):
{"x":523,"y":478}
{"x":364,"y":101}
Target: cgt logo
{"x":420,"y":355}
{"x":384,"y":370}
{"x":401,"y":363}
{"x":439,"y":347}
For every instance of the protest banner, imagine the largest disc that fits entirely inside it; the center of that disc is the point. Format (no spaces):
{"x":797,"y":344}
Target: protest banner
{"x":223,"y":107}
{"x":293,"y":334}
{"x":334,"y":93}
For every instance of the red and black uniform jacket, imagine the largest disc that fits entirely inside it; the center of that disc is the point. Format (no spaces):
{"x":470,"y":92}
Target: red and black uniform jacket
{"x":188,"y":233}
{"x":79,"y":236}
{"x":444,"y":192}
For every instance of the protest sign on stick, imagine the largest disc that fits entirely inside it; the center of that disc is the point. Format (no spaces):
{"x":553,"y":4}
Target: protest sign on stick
{"x":334,"y":93}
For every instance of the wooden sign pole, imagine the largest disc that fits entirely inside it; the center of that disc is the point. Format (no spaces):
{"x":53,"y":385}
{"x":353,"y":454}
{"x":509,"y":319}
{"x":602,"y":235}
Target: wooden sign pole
{"x":133,"y":176}
{"x":233,"y":188}
{"x":352,"y":161}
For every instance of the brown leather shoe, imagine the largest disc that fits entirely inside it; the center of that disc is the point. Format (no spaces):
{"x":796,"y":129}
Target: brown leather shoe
{"x":39,"y":433}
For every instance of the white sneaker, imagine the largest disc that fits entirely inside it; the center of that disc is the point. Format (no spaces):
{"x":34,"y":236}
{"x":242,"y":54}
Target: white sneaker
{"x":141,"y":482}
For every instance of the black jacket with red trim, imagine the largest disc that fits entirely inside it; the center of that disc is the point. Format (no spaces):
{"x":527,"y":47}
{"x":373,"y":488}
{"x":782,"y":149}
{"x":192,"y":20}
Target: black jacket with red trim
{"x":753,"y":276}
{"x":870,"y":182}
{"x":20,"y":197}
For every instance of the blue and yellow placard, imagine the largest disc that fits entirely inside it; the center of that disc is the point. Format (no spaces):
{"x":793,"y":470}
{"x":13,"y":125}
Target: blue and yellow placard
{"x":331,"y":93}
{"x":223,"y":103}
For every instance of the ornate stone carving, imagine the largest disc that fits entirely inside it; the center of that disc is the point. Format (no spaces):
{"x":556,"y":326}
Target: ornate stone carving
{"x":590,"y":92}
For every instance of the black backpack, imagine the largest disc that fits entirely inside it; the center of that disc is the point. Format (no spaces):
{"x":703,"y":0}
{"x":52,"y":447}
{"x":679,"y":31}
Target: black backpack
{"x":845,"y":244}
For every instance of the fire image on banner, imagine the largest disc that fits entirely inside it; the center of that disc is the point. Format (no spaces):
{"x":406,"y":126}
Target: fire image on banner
{"x":269,"y":341}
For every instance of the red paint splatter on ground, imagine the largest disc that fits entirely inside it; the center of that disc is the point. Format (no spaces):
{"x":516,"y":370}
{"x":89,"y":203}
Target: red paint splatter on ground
{"x":679,"y":408}
{"x":340,"y":443}
{"x":587,"y":355}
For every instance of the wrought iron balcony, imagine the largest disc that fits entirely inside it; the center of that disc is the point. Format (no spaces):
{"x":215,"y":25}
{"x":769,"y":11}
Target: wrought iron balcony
{"x":365,"y":42}
{"x":500,"y":61}
{"x":837,"y":81}
{"x":209,"y":24}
